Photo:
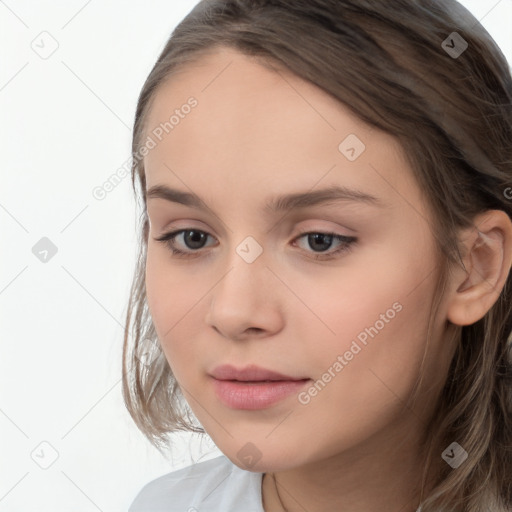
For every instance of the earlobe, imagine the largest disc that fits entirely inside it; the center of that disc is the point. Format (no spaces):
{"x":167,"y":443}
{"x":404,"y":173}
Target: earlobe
{"x":488,"y":259}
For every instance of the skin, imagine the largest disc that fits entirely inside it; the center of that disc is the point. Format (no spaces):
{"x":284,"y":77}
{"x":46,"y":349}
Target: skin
{"x":255,"y":133}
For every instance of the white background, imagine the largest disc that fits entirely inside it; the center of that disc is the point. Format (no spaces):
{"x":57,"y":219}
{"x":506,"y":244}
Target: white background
{"x":65,"y":128}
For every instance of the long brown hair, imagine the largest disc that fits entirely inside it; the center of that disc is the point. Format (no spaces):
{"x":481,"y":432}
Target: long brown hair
{"x":389,"y":62}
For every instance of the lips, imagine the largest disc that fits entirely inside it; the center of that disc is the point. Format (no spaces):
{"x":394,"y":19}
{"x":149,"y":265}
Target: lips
{"x":251,"y":373}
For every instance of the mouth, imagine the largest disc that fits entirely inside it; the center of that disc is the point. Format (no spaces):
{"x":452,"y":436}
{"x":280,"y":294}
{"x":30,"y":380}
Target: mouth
{"x":256,"y":381}
{"x":253,"y":388}
{"x":251,"y":373}
{"x":247,"y":395}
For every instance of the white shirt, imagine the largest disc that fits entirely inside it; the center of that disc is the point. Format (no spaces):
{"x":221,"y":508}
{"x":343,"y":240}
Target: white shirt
{"x":215,"y":485}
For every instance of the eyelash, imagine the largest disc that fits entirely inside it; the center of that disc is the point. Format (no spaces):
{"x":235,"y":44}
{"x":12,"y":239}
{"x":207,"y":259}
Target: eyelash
{"x":345,"y":247}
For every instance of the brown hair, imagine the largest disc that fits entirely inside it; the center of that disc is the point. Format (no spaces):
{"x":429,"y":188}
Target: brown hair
{"x":452,"y":115}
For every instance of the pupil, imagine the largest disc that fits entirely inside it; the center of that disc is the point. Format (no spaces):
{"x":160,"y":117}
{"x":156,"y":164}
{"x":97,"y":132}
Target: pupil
{"x":312,"y":239}
{"x":194,"y":239}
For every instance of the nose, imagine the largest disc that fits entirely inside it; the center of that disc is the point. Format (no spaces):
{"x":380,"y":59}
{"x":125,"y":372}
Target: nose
{"x":246,"y":302}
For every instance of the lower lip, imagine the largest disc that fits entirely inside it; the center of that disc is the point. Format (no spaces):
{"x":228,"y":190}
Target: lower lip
{"x":257,"y":395}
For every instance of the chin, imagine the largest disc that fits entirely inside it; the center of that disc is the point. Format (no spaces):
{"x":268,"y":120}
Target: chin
{"x":264,"y":460}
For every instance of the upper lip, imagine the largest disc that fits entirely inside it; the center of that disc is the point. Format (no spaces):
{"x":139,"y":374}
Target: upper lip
{"x":249,"y":373}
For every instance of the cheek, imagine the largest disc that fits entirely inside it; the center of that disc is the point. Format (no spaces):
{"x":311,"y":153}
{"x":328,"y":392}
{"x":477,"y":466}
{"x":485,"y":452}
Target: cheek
{"x":374,"y":313}
{"x":175,"y":299}
{"x":158,"y":292}
{"x":364,"y":373}
{"x":170,"y":289}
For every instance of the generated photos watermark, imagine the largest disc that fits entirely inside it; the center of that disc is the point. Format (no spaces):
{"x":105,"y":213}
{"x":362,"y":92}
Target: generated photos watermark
{"x":342,"y":361}
{"x":152,"y":140}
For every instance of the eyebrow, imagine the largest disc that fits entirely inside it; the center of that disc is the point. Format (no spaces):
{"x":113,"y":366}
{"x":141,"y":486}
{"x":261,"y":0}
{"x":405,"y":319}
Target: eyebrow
{"x":275,"y":204}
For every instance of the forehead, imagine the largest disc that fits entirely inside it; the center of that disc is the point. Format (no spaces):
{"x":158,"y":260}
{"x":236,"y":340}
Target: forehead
{"x":251,"y":99}
{"x":264,"y":128}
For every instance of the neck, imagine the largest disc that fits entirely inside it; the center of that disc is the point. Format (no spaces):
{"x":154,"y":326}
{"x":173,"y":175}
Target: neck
{"x":382,"y":474}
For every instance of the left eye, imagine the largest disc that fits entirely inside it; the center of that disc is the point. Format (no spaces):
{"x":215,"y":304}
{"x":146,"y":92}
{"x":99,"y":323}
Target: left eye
{"x":194,"y":240}
{"x":320,"y":240}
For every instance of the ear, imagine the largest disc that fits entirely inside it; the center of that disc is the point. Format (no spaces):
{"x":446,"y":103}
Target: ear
{"x":487,"y":258}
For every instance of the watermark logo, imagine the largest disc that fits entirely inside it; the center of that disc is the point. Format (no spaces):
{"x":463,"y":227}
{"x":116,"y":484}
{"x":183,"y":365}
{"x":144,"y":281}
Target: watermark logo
{"x":44,"y":455}
{"x":454,"y":455}
{"x":44,"y":250}
{"x":454,"y":45}
{"x":352,"y":147}
{"x":44,"y":44}
{"x":147,"y":351}
{"x":249,"y":455}
{"x":249,"y":249}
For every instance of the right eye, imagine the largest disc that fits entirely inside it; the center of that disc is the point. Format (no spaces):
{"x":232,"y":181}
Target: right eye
{"x":193,"y":240}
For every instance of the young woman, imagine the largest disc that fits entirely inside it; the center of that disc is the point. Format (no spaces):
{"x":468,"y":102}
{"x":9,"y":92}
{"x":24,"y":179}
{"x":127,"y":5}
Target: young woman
{"x":323,"y":284}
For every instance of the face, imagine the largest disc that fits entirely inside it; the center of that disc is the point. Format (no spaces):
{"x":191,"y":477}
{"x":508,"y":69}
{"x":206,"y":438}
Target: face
{"x":336,"y":292}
